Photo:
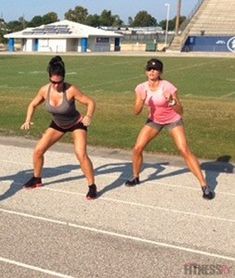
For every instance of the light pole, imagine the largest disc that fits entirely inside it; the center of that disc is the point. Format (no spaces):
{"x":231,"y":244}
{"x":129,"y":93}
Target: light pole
{"x":167,"y":21}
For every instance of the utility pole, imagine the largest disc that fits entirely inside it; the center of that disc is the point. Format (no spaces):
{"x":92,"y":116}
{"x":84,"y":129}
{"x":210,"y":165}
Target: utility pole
{"x":178,"y":17}
{"x":167,"y":22}
{"x":23,"y":22}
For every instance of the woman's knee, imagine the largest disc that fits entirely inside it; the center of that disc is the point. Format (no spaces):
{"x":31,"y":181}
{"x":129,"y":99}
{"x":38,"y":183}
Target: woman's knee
{"x":185,"y":151}
{"x":138,"y":149}
{"x":81,"y":155}
{"x":38,"y":152}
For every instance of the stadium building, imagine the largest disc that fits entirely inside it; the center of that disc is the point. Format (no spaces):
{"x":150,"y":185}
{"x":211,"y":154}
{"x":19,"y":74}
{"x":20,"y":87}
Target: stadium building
{"x":210,"y":27}
{"x":64,"y":36}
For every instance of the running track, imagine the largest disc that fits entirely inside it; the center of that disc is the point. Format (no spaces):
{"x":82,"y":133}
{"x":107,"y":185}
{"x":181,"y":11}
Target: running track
{"x":159,"y":228}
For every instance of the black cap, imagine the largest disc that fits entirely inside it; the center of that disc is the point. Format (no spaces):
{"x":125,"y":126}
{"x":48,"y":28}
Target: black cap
{"x":154,"y":64}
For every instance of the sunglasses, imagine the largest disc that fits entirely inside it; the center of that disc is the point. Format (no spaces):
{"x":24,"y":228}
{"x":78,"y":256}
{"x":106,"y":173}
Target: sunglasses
{"x":56,"y":82}
{"x":151,"y":68}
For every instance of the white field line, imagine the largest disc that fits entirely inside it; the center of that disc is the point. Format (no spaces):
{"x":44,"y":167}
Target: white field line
{"x":139,"y":76}
{"x":42,"y":72}
{"x":122,"y":236}
{"x":35,"y":268}
{"x":227,"y":95}
{"x":142,"y":75}
{"x":15,"y":88}
{"x":134,"y":78}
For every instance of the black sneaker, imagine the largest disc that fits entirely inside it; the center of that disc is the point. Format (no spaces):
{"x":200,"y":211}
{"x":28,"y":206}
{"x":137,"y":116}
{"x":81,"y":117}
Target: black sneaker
{"x":92,"y":192}
{"x":33,"y":183}
{"x":132,"y":182}
{"x":207,"y":193}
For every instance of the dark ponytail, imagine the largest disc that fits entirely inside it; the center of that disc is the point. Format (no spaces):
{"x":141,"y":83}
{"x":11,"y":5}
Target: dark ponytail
{"x":56,"y":67}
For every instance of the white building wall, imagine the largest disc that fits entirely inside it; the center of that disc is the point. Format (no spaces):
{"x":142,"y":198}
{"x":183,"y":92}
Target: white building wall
{"x":28,"y":46}
{"x":95,"y":44}
{"x":43,"y":45}
{"x":52,"y":45}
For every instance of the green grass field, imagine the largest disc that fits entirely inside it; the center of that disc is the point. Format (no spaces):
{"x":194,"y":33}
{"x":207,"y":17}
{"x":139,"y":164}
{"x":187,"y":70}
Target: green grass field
{"x":206,"y":86}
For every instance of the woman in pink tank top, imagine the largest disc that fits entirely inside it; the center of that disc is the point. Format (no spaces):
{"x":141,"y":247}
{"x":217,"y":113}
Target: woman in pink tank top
{"x":165,"y":111}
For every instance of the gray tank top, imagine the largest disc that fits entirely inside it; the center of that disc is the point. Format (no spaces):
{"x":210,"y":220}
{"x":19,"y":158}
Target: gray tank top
{"x":65,"y":115}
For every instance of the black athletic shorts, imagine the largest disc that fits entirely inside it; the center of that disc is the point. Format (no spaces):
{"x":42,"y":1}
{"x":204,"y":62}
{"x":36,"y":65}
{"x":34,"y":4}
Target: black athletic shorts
{"x":78,"y":125}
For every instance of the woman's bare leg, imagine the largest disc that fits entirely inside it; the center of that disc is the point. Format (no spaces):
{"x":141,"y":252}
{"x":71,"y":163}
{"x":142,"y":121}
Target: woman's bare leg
{"x":49,"y":138}
{"x":146,"y":134}
{"x":178,"y":134}
{"x":80,"y":146}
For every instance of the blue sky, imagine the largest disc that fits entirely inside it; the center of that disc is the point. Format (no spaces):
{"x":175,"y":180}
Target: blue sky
{"x":13,"y":9}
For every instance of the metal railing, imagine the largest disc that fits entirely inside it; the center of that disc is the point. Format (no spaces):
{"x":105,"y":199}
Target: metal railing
{"x":190,"y":16}
{"x":183,"y":30}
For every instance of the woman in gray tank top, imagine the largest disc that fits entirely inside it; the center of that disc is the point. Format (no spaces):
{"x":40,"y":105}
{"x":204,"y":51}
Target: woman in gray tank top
{"x":60,"y":97}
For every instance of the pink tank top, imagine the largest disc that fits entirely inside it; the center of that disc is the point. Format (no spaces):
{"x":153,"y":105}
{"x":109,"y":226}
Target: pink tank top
{"x":159,"y":109}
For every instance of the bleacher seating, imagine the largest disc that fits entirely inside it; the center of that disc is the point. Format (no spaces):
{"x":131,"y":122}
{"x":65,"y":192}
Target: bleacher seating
{"x":213,"y":18}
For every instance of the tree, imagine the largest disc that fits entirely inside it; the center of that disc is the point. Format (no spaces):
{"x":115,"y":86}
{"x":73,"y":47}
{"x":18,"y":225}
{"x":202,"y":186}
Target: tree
{"x":3,"y":30}
{"x":171,"y":23}
{"x":14,"y":26}
{"x":50,"y":18}
{"x":144,"y":19}
{"x":79,"y":14}
{"x":130,"y":21}
{"x":23,"y":22}
{"x":107,"y":19}
{"x":93,"y":20}
{"x":36,"y":21}
{"x":43,"y":20}
{"x":117,"y":21}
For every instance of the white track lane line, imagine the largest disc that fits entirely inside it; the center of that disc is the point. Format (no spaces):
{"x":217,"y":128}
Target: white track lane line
{"x":141,"y":205}
{"x":123,"y":236}
{"x":146,"y":206}
{"x":35,"y":268}
{"x":147,"y":182}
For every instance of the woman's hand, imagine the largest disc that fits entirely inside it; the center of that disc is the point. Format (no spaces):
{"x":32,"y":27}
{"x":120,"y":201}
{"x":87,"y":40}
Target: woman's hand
{"x":26,"y":125}
{"x":170,"y":99}
{"x":86,"y":120}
